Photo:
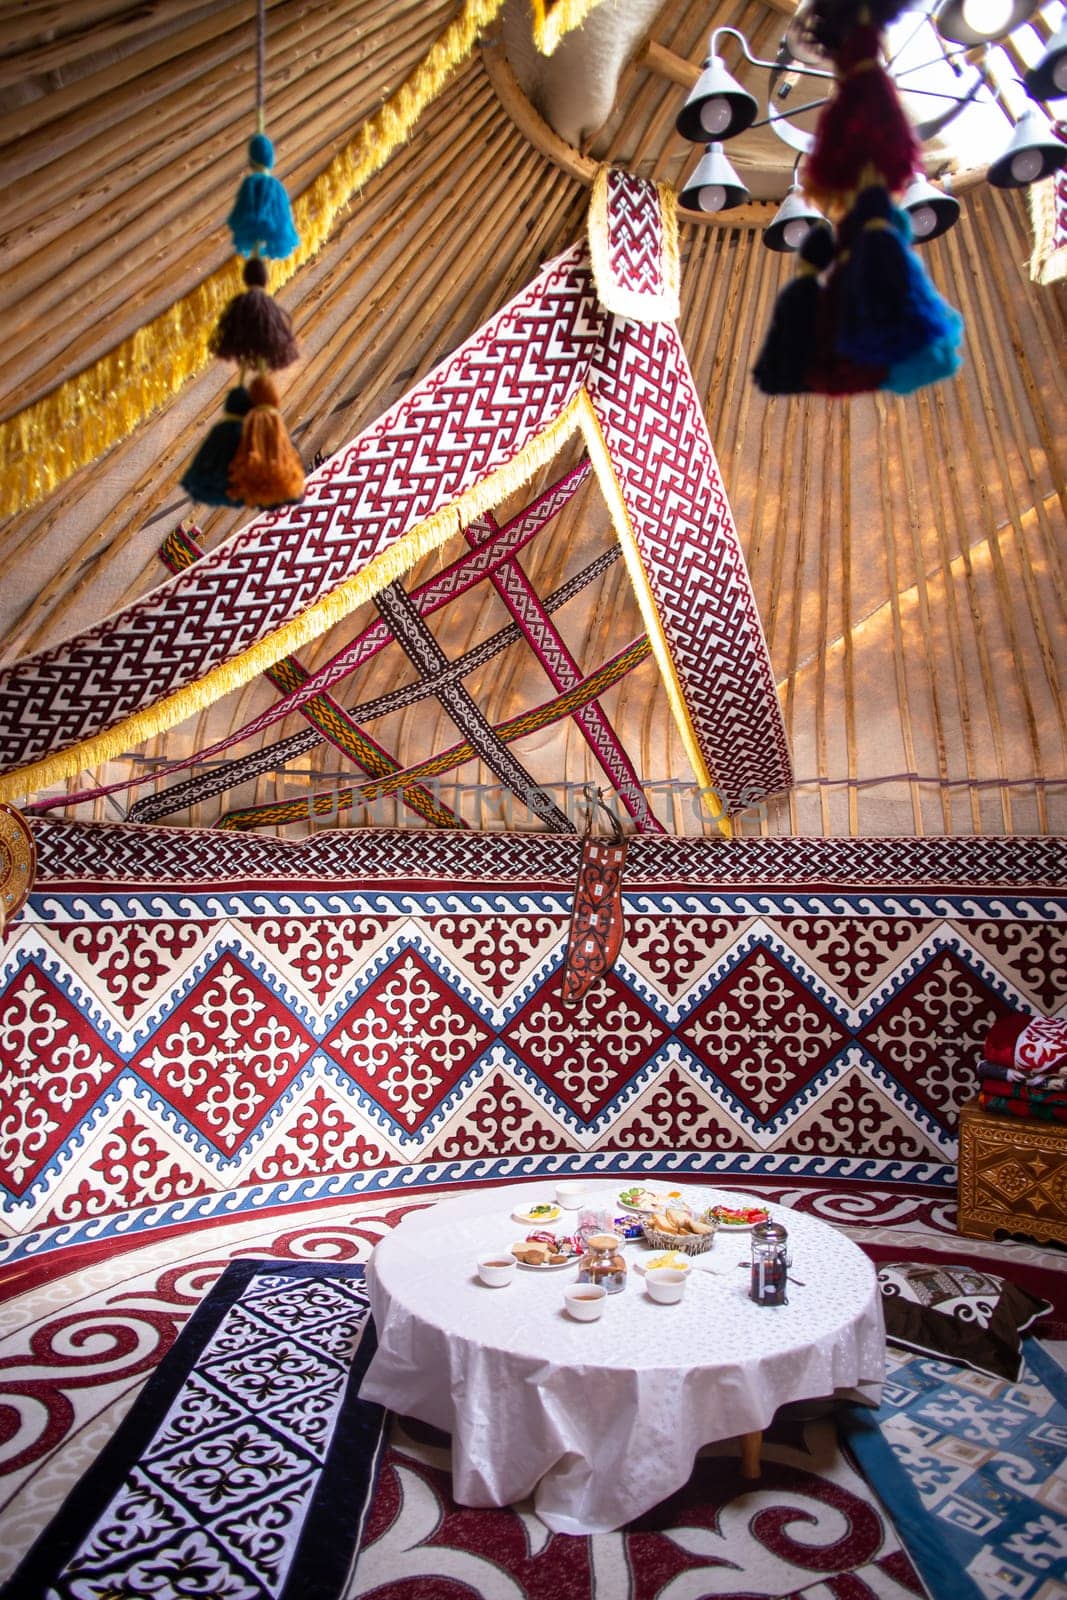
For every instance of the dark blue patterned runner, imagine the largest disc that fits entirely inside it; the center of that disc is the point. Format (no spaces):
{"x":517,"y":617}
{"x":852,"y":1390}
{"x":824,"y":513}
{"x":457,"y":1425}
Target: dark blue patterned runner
{"x":246,"y":1465}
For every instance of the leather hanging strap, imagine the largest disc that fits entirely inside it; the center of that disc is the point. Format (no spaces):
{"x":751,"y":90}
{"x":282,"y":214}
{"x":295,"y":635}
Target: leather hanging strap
{"x":596,"y":917}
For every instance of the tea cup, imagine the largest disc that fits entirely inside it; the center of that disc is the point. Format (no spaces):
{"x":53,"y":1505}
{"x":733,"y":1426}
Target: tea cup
{"x":584,"y":1301}
{"x":569,"y":1194}
{"x":666,"y":1285}
{"x":496,"y":1270}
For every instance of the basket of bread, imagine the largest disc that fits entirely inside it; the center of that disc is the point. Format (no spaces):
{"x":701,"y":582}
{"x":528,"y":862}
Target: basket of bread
{"x":675,"y":1228}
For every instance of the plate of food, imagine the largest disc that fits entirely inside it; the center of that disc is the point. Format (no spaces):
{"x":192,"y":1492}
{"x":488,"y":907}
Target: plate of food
{"x":736,"y":1219}
{"x":663,"y":1258}
{"x":543,"y":1211}
{"x":638,"y":1198}
{"x":546,"y":1252}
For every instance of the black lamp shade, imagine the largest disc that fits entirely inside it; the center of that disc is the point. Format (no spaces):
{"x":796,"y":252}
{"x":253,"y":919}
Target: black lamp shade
{"x":1048,"y":80}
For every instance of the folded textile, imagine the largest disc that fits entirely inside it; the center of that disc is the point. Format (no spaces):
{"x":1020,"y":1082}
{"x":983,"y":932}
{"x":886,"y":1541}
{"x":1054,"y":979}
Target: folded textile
{"x":1028,"y":1046}
{"x":1014,"y":1106}
{"x":989,"y":1072}
{"x":1033,"y":1094}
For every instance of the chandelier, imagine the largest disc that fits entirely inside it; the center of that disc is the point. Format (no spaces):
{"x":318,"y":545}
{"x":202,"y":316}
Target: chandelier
{"x":941,"y":57}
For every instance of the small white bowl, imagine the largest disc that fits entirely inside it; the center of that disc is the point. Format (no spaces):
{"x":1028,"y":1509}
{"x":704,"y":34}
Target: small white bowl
{"x":584,"y":1301}
{"x":665,"y":1284}
{"x":497,"y":1270}
{"x":569,"y":1194}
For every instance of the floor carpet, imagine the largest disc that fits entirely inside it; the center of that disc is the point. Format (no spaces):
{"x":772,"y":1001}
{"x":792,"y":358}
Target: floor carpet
{"x":973,"y":1472}
{"x":245,"y":1467}
{"x":809,"y":1528}
{"x":82,"y":1329}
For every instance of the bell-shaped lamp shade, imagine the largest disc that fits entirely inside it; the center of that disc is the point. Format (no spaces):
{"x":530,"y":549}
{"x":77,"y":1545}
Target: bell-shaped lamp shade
{"x":1048,"y":80}
{"x":979,"y":21}
{"x":931,"y":211}
{"x":713,"y":184}
{"x":792,"y":222}
{"x":1034,"y":152}
{"x":717,"y":106}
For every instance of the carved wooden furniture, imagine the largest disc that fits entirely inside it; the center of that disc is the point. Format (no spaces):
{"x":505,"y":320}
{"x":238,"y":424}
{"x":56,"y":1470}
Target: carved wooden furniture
{"x":1012,"y":1175}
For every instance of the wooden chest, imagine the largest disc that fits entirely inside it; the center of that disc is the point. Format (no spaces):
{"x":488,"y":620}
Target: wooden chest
{"x":1012,"y":1175}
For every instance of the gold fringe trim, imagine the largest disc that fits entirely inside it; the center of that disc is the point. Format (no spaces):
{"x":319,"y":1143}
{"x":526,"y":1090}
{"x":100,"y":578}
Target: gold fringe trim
{"x":604,"y":468}
{"x":639,"y":307}
{"x":552,"y":19}
{"x":381,"y":570}
{"x":1046,"y":264}
{"x":48,"y":441}
{"x":671,"y":268}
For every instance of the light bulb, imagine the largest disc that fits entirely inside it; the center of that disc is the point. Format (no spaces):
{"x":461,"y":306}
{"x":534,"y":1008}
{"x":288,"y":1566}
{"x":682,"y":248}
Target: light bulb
{"x":1059,"y":75}
{"x":923,"y":221}
{"x":1026,"y":165}
{"x":794,"y":233}
{"x":711,"y":197}
{"x":715,"y":114}
{"x":988,"y":17}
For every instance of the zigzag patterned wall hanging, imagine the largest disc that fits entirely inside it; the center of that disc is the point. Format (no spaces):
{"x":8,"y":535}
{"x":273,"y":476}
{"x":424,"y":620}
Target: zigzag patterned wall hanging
{"x":556,"y":359}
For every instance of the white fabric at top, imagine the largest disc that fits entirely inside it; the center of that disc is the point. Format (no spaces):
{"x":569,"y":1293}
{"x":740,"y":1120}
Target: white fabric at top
{"x":600,"y":1421}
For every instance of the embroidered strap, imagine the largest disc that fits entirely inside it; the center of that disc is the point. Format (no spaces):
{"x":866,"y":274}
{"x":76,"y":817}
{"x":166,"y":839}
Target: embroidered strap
{"x":561,"y":669}
{"x":542,"y":716}
{"x":596,"y":918}
{"x":427,"y":657}
{"x":205,"y":785}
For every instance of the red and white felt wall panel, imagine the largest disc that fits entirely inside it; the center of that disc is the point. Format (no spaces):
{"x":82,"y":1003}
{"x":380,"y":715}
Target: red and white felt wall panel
{"x":272,"y":1023}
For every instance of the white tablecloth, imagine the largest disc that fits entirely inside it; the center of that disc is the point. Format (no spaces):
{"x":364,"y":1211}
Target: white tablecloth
{"x":600,"y":1421}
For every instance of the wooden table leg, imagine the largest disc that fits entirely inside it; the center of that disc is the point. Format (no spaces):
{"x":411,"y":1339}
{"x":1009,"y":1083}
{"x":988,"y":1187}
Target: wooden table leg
{"x":750,"y":1453}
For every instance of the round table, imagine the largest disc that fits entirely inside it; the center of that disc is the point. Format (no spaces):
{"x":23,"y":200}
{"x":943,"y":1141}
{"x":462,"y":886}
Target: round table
{"x":600,"y":1421}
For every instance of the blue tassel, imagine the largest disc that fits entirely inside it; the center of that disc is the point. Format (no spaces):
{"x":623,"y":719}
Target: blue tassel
{"x":889,"y":311}
{"x":939,"y":360}
{"x":207,"y":477}
{"x":261,"y":220}
{"x":788,"y":346}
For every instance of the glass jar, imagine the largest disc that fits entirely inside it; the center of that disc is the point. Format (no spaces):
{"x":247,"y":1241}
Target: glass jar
{"x":603,"y":1262}
{"x":770,"y":1262}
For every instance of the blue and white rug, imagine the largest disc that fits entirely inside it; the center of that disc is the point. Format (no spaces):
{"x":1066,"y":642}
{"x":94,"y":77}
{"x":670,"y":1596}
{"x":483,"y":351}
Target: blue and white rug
{"x":244,"y":1469}
{"x":973,"y":1471}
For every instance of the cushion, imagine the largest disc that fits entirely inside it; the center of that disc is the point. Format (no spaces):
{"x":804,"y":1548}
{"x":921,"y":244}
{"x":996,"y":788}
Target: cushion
{"x":958,"y":1313}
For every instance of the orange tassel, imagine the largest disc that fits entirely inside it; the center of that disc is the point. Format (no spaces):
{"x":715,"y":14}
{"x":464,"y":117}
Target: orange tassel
{"x":266,"y":471}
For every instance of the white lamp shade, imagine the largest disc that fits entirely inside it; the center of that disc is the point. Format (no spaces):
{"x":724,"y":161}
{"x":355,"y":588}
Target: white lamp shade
{"x":713,"y":184}
{"x":1034,"y":152}
{"x":717,"y":107}
{"x":932,"y":211}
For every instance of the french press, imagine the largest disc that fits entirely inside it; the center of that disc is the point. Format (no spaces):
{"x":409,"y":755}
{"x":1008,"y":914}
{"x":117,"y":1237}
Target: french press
{"x":770,"y":1262}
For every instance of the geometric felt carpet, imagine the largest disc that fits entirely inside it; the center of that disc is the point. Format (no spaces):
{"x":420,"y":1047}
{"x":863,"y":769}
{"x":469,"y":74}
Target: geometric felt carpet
{"x":244,"y":1468}
{"x":973,"y":1471}
{"x":81,"y":1327}
{"x":810,"y":1527}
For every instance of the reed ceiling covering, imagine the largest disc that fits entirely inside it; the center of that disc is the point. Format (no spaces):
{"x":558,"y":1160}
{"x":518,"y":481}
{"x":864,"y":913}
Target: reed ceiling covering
{"x":907,"y":555}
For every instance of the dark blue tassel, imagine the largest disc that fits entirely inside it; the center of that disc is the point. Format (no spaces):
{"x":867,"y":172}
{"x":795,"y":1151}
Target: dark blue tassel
{"x":206,"y":478}
{"x":261,"y":221}
{"x":785,"y":358}
{"x":889,"y":311}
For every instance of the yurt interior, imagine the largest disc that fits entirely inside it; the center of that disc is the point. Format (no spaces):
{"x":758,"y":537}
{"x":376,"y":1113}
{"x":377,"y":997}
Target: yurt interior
{"x":533,"y":800}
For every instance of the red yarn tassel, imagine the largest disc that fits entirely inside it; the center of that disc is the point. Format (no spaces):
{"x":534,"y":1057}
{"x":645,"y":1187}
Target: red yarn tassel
{"x":863,"y":127}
